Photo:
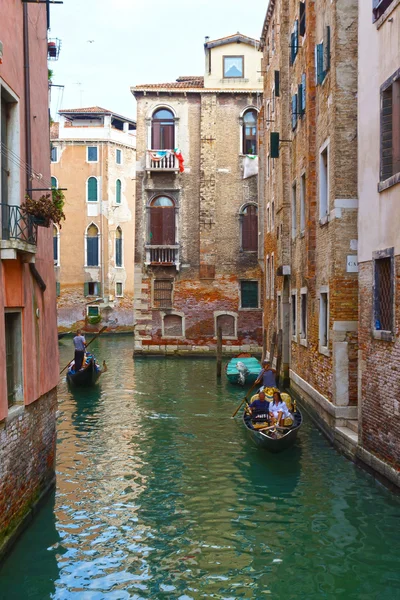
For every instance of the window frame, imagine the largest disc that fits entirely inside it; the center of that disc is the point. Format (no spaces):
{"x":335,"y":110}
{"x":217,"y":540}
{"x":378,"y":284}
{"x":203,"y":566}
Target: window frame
{"x":386,"y":180}
{"x":90,"y":308}
{"x":324,"y":216}
{"x":224,"y":76}
{"x":183,"y":321}
{"x":170,"y":122}
{"x":54,"y":149}
{"x":388,"y":335}
{"x":87,"y":190}
{"x":168,"y":306}
{"x":242,"y":216}
{"x":303,"y":184}
{"x":56,"y":245}
{"x":247,"y":308}
{"x":244,"y":137}
{"x":117,"y":295}
{"x":91,"y":147}
{"x":118,"y":193}
{"x":19,"y":388}
{"x":293,"y":315}
{"x":119,"y":241}
{"x":294,"y":210}
{"x":221,"y":313}
{"x":98,"y":246}
{"x":379,"y":7}
{"x":118,"y":152}
{"x":323,"y":320}
{"x":303,"y":316}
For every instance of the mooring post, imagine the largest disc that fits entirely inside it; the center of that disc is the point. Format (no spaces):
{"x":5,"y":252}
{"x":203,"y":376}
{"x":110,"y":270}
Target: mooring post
{"x":219,"y":351}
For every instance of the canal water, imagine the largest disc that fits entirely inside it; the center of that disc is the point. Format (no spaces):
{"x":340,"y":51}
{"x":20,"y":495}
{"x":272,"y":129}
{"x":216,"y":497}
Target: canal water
{"x":161,"y":495}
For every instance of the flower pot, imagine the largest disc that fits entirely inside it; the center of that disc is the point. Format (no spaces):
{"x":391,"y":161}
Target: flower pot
{"x":40,"y":221}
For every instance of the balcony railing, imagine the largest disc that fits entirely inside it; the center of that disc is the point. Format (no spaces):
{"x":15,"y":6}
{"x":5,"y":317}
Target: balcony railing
{"x":162,"y":255}
{"x":161,"y":160}
{"x":17,"y":225}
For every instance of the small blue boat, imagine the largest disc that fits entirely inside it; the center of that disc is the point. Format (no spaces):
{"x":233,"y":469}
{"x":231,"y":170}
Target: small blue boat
{"x":243,"y":370}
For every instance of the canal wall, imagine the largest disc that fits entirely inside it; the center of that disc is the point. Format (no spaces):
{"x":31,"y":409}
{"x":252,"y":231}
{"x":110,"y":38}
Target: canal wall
{"x":27,"y":468}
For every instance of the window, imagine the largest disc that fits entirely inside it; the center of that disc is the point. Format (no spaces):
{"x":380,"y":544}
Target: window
{"x":272,"y":215}
{"x":383,"y":294}
{"x":162,"y":293}
{"x":233,"y":66}
{"x":118,"y":187}
{"x":53,"y":153}
{"x":324,"y":183}
{"x":228,"y":325}
{"x":294,"y":212}
{"x":268,"y":277}
{"x":249,"y":228}
{"x":294,"y":111}
{"x":92,"y":154}
{"x":92,"y":189}
{"x":272,"y":277}
{"x":163,"y":130}
{"x":118,"y":156}
{"x":323,"y":56}
{"x":302,"y":203}
{"x":56,"y":238}
{"x":54,"y":183}
{"x":301,"y":97}
{"x":294,"y":42}
{"x":92,"y":288}
{"x":302,"y":26}
{"x":268,"y":217}
{"x":162,"y":221}
{"x":118,"y":247}
{"x":379,"y":7}
{"x":172,"y":326}
{"x":273,"y":38}
{"x":279,"y":312}
{"x":323,"y":319}
{"x":9,"y":137}
{"x":13,"y":357}
{"x":118,"y":289}
{"x":93,"y":311}
{"x":390,"y":128}
{"x":250,"y":132}
{"x":303,"y":315}
{"x":92,"y":246}
{"x":249,"y":294}
{"x":294,"y":313}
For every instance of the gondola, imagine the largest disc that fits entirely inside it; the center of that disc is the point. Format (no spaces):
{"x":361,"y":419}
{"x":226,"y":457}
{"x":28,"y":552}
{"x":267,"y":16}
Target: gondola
{"x":61,"y":335}
{"x":243,"y":369}
{"x":88,"y":375}
{"x":274,"y":439}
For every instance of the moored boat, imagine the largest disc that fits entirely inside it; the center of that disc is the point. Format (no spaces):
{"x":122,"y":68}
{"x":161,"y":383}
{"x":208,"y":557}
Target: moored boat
{"x":243,"y":370}
{"x":273,"y":438}
{"x":88,"y":374}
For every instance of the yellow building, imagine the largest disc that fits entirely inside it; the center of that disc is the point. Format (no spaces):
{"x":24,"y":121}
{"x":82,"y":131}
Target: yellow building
{"x":94,"y":159}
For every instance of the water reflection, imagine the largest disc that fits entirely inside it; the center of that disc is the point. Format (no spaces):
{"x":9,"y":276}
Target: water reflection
{"x":160,"y":494}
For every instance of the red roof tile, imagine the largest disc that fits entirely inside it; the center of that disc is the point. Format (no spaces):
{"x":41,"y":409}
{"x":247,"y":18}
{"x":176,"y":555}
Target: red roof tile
{"x":181,"y":83}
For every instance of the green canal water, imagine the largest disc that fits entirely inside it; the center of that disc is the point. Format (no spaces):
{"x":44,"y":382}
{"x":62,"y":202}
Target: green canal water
{"x":161,"y":495}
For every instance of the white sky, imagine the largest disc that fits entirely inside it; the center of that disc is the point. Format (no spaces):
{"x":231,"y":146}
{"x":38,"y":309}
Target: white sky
{"x":137,"y":41}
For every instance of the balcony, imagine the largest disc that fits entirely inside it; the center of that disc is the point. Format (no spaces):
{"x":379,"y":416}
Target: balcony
{"x":18,"y":233}
{"x":162,"y":256}
{"x":161,"y":160}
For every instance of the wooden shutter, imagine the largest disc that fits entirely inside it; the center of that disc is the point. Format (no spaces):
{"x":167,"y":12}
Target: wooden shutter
{"x":303,"y":91}
{"x":167,"y":138}
{"x":57,"y":288}
{"x":302,"y":13}
{"x":294,"y":111}
{"x":162,"y":226}
{"x":320,"y":63}
{"x":250,"y":229}
{"x":156,"y":135}
{"x":118,"y":252}
{"x":168,"y":225}
{"x":327,"y":50}
{"x":55,"y":248}
{"x":92,"y":189}
{"x":92,"y":251}
{"x":292,"y":54}
{"x":249,"y":293}
{"x":277,"y":82}
{"x":86,"y":288}
{"x":274,"y":144}
{"x":118,"y":191}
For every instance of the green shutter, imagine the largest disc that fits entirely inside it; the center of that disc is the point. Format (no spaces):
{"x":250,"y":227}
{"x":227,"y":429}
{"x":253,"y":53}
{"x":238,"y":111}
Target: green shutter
{"x":303,"y":90}
{"x":294,"y":111}
{"x":99,"y":290}
{"x":118,"y":191}
{"x":86,"y":289}
{"x":277,"y":82}
{"x":92,"y":189}
{"x":58,"y":291}
{"x":320,"y":63}
{"x":274,"y":144}
{"x":327,"y":50}
{"x":249,"y":294}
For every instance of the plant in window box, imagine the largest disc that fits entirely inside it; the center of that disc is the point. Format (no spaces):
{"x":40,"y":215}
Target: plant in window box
{"x":46,"y":209}
{"x":94,"y":320}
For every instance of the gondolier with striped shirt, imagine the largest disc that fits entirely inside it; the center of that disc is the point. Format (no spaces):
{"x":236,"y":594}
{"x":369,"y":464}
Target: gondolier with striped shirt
{"x":80,"y":345}
{"x":267,"y":376}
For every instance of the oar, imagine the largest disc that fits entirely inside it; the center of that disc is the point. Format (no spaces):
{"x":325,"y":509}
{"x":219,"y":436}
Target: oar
{"x":88,"y":344}
{"x":245,"y":398}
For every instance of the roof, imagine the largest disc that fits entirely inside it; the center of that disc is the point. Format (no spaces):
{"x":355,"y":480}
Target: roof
{"x":94,"y":110}
{"x":270,"y":12}
{"x":231,"y":39}
{"x":190,"y":81}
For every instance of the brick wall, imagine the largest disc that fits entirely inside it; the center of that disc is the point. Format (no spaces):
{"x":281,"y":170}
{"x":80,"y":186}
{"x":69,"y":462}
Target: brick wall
{"x":27,"y":450}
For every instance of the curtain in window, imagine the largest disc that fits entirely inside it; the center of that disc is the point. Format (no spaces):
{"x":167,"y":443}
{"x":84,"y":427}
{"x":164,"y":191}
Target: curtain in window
{"x":118,"y":248}
{"x":250,"y":132}
{"x":162,"y":222}
{"x":92,"y":189}
{"x":118,"y":191}
{"x":92,"y":247}
{"x":250,"y":229}
{"x":163,"y":130}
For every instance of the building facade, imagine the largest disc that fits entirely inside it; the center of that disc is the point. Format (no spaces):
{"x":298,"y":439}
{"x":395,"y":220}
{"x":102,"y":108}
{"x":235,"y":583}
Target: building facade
{"x":379,"y":236}
{"x":28,"y":330}
{"x":93,"y":157}
{"x":196,"y":262}
{"x":310,"y":195}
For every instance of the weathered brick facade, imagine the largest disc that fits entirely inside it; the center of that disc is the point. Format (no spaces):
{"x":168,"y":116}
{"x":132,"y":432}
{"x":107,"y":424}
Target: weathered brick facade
{"x":209,"y":264}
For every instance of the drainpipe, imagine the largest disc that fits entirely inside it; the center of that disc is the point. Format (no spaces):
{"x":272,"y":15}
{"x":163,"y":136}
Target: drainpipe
{"x":102,"y":240}
{"x":28,"y":131}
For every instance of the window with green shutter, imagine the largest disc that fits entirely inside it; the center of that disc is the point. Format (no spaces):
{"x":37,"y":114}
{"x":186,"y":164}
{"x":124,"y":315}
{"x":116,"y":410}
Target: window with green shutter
{"x":274,"y":144}
{"x":92,"y":192}
{"x":294,"y":111}
{"x":118,"y":187}
{"x":249,"y":294}
{"x":58,"y":289}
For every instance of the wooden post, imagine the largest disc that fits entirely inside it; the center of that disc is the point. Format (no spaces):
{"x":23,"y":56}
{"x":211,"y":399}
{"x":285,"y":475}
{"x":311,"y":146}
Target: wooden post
{"x":279,"y":356}
{"x":264,"y":350}
{"x":272,"y":348}
{"x":219,"y":352}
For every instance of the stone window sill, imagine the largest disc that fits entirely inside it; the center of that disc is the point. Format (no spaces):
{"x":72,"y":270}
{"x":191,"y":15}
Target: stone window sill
{"x":384,"y":336}
{"x":303,"y":342}
{"x":294,"y":338}
{"x":302,"y":234}
{"x":324,"y":220}
{"x":15,"y":411}
{"x":324,"y":350}
{"x":247,"y":309}
{"x":388,"y":183}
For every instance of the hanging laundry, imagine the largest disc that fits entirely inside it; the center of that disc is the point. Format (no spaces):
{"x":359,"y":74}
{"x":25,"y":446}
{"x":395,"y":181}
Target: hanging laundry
{"x":159,"y":155}
{"x":250,"y":165}
{"x":180,"y":158}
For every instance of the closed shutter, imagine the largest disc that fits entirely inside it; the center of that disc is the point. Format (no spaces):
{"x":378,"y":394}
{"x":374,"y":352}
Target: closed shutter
{"x":296,"y":37}
{"x":250,"y":230}
{"x":302,"y":12}
{"x":300,"y":99}
{"x":156,"y":135}
{"x":162,"y":226}
{"x":118,"y":191}
{"x":55,"y":249}
{"x":118,"y":252}
{"x":294,"y":111}
{"x":92,"y":251}
{"x":320,"y":63}
{"x":86,"y":289}
{"x":292,"y":54}
{"x":303,"y":90}
{"x":274,"y":144}
{"x":92,"y":189}
{"x":167,"y":137}
{"x":168,"y":225}
{"x":249,"y":294}
{"x":58,"y":288}
{"x":277,"y":83}
{"x":327,"y":50}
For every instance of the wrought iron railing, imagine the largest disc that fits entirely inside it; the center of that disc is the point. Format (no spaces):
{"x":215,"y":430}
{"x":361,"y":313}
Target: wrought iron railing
{"x":162,"y":255}
{"x":17,"y":225}
{"x":161,"y":160}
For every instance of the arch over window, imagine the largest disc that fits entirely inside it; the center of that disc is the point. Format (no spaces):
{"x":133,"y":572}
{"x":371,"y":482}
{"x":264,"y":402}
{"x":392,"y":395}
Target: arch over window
{"x":227,"y":322}
{"x":118,"y":188}
{"x":172,"y":325}
{"x":163,"y":130}
{"x":92,"y":246}
{"x":162,"y":221}
{"x":250,"y":131}
{"x":56,"y":239}
{"x":118,"y":247}
{"x":92,"y":189}
{"x":249,"y":228}
{"x":54,"y":182}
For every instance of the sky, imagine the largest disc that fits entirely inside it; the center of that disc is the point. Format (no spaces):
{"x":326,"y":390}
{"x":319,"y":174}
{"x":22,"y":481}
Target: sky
{"x":107,"y":46}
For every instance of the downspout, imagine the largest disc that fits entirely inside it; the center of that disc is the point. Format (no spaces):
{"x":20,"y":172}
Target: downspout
{"x":102,"y":241}
{"x":28,"y":130}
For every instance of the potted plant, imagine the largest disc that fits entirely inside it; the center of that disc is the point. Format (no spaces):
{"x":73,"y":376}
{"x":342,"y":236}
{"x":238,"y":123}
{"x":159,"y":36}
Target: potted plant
{"x":46,"y":209}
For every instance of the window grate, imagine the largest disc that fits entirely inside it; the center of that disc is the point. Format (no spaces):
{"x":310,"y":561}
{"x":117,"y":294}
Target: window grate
{"x":383,"y":294}
{"x":163,"y":293}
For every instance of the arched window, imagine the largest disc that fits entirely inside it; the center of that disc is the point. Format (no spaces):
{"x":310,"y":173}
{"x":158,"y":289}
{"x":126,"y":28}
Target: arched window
{"x":249,"y":228}
{"x":92,"y":189}
{"x":163,"y":130}
{"x":172,"y":326}
{"x":162,"y":221}
{"x":250,"y":132}
{"x":92,"y":246}
{"x":118,"y":187}
{"x":56,"y":254}
{"x":118,"y":247}
{"x":54,"y":182}
{"x":227,"y":322}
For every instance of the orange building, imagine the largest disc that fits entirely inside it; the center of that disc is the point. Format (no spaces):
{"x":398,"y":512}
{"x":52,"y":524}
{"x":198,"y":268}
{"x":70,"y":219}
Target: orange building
{"x":28,"y":334}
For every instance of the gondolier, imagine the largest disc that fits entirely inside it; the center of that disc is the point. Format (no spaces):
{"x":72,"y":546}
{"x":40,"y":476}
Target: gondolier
{"x":79,"y":345}
{"x":267,"y":376}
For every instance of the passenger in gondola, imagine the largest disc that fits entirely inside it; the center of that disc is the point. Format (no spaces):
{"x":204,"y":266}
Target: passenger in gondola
{"x":259,"y":408}
{"x":279,"y":412}
{"x":266,"y":376}
{"x":79,"y":345}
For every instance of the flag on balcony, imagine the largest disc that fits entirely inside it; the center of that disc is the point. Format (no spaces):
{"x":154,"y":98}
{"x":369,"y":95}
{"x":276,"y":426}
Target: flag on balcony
{"x":159,"y":155}
{"x":180,"y":158}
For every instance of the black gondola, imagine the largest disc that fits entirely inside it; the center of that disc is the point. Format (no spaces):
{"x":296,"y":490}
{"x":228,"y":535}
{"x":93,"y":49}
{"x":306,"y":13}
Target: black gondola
{"x":61,"y":335}
{"x":274,"y":439}
{"x":86,"y":376}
